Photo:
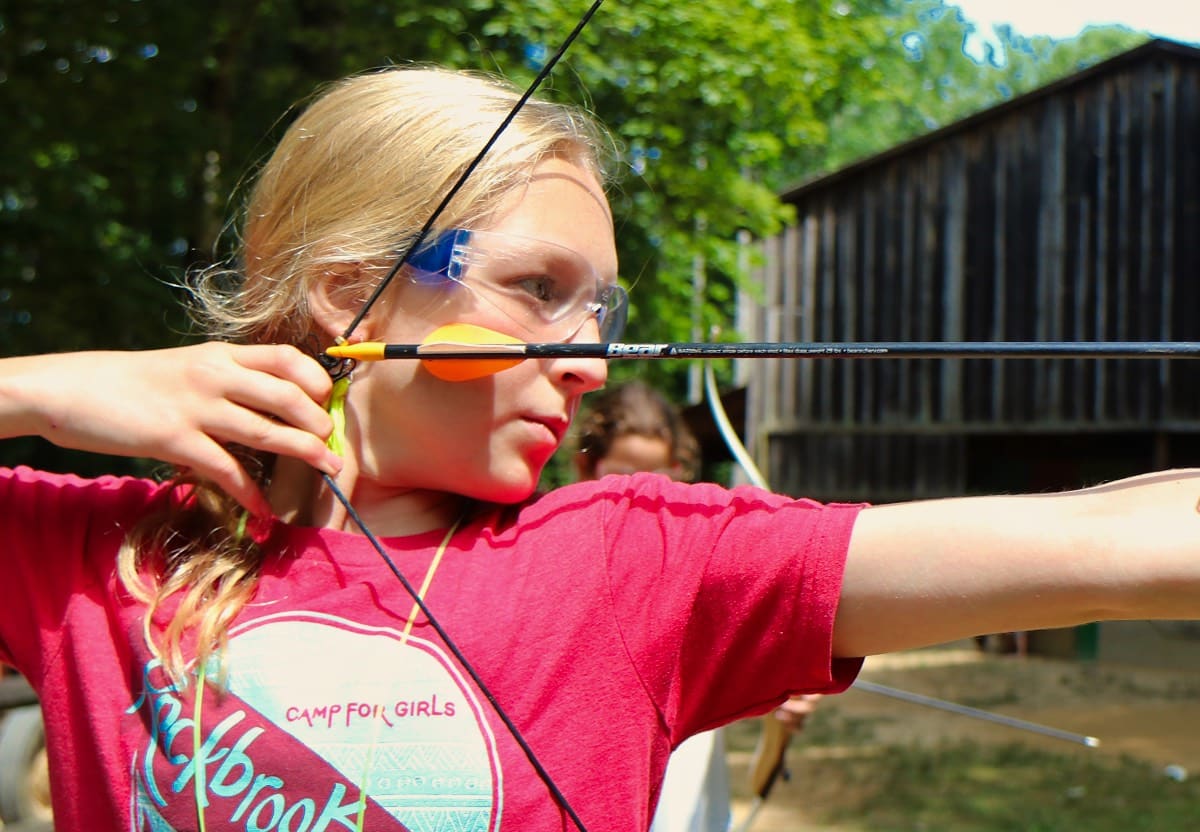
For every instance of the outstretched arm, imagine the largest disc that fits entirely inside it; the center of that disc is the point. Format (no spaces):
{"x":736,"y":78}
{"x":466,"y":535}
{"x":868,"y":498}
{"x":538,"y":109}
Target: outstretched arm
{"x":177,"y":405}
{"x":934,"y":571}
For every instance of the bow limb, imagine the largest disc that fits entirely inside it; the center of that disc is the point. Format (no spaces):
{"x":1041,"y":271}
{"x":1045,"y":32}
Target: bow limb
{"x":767,"y":763}
{"x":740,"y":454}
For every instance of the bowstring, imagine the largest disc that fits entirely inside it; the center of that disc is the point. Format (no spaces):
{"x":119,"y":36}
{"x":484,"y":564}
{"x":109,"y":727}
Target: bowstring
{"x":515,"y":732}
{"x":336,"y":367}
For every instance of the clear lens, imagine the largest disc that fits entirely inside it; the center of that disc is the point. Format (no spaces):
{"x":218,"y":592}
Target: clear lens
{"x":613,"y":312}
{"x":547,"y":290}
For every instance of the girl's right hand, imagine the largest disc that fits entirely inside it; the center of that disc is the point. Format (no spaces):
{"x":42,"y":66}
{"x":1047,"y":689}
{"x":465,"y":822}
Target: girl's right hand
{"x":180,"y":405}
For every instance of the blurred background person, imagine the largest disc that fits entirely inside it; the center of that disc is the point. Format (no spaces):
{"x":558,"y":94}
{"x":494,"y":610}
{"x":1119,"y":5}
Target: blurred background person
{"x":632,"y":428}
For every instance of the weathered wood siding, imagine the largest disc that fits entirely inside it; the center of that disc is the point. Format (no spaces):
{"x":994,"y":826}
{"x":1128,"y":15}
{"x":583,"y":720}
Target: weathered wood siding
{"x":1072,"y":213}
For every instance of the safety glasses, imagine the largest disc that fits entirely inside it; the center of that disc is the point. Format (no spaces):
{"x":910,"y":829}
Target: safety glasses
{"x":548,"y":290}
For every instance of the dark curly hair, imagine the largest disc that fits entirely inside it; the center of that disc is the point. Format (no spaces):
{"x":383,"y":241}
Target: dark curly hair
{"x":634,"y":409}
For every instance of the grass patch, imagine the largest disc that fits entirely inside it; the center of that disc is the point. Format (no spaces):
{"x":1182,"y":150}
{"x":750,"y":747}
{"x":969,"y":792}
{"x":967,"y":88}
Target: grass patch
{"x":972,"y":787}
{"x":844,"y":777}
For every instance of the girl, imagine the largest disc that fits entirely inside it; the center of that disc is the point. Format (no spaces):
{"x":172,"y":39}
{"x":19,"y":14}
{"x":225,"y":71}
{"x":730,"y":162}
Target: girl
{"x":228,"y":650}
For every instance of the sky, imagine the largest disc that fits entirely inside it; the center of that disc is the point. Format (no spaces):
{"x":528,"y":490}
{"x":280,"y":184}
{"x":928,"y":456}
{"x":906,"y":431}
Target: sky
{"x":1175,"y":19}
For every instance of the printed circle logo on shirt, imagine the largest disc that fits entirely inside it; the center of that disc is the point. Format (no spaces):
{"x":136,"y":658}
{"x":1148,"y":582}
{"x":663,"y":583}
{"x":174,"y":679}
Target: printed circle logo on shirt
{"x":388,"y":715}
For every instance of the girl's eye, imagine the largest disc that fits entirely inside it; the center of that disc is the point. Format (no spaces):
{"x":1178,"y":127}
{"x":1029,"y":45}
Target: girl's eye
{"x":539,"y":287}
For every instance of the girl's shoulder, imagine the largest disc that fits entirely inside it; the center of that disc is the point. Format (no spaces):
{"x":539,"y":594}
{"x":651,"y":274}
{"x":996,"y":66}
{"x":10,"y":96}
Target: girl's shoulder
{"x":642,"y":493}
{"x":30,"y":488}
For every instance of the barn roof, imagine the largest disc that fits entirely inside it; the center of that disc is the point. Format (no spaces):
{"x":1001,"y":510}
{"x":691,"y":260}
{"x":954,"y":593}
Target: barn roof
{"x":1156,"y":48}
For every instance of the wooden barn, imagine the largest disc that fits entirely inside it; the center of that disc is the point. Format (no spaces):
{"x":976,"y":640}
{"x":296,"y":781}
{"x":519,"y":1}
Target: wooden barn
{"x":1071,"y":213}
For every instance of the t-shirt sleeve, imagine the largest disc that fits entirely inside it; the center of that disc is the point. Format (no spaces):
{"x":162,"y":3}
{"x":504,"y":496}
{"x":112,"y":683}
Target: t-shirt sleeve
{"x":59,"y":535}
{"x":726,"y":598}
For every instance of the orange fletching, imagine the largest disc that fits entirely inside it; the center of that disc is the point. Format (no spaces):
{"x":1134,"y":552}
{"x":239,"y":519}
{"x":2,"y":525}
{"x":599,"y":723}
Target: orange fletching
{"x":454,"y":337}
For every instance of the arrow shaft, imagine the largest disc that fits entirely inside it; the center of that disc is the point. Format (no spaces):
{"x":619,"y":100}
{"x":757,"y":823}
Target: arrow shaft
{"x":862,"y":349}
{"x":976,"y":713}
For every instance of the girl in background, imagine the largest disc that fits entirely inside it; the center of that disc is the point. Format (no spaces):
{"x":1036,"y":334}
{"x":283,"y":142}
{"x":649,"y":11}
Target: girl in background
{"x":631,"y":428}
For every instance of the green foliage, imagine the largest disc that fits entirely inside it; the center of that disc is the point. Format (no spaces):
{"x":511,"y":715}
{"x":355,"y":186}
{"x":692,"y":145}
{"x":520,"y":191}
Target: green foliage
{"x":923,"y":66}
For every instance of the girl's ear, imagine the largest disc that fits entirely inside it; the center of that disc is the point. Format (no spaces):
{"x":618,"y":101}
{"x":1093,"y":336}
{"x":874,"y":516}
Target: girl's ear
{"x":335,"y":297}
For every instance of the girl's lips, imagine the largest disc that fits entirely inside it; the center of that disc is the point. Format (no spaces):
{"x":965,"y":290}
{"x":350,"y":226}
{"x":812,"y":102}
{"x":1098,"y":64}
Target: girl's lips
{"x":557,"y":425}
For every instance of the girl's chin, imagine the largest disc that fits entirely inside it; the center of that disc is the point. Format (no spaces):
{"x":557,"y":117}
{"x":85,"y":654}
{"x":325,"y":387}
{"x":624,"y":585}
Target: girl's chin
{"x":509,"y":477}
{"x":513,"y":489}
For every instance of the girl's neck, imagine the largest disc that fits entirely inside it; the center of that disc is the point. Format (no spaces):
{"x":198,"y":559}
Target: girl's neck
{"x":300,"y":496}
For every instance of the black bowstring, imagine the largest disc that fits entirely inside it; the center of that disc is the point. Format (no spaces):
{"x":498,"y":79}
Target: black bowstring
{"x":558,"y":796}
{"x":338,"y":368}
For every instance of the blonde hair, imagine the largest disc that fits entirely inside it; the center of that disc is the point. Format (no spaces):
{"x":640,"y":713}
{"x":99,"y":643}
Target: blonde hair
{"x":352,"y":181}
{"x":359,"y":173}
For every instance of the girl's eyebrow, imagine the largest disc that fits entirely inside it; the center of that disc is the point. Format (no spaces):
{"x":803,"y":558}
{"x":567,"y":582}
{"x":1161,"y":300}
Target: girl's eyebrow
{"x":552,"y":256}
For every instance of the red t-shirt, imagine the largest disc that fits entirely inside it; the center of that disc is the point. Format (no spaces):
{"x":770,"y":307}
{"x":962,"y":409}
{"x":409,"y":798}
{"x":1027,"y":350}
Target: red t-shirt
{"x":610,"y":620}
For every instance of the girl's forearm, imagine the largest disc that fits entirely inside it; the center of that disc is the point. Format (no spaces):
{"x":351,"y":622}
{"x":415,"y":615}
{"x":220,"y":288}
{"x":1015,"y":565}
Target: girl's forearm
{"x":928,"y":572}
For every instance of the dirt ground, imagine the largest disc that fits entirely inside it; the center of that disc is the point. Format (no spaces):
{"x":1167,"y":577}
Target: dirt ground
{"x":1150,"y":714}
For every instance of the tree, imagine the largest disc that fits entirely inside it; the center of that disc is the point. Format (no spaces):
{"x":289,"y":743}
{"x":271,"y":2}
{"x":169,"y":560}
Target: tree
{"x":922,"y":73}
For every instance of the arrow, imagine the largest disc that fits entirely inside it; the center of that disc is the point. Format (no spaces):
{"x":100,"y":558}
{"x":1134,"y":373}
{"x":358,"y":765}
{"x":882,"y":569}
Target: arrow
{"x":486,"y":352}
{"x":977,"y":713}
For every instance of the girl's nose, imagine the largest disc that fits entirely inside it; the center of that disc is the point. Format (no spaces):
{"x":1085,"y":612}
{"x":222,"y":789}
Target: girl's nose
{"x":579,"y":374}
